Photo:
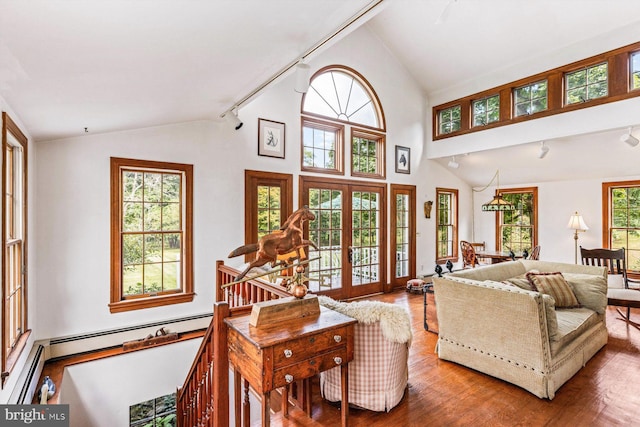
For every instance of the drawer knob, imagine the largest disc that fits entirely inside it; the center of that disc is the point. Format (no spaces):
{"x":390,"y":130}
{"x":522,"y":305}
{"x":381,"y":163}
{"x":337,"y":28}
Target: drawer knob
{"x":288,"y":378}
{"x":288,"y":353}
{"x":337,"y":338}
{"x":338,"y":360}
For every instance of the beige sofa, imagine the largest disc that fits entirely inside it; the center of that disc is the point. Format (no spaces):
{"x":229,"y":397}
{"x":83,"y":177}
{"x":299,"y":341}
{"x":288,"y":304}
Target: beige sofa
{"x":494,"y":326}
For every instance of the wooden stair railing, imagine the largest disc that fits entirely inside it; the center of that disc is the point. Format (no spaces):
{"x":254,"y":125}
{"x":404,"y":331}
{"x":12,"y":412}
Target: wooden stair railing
{"x":203,"y":399}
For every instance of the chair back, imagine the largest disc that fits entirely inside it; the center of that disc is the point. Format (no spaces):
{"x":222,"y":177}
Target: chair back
{"x":468,"y":254}
{"x":613,"y":259}
{"x":535,"y":253}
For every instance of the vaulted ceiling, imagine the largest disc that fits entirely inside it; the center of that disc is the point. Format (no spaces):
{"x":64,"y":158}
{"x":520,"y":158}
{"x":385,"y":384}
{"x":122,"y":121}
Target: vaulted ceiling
{"x":121,"y":64}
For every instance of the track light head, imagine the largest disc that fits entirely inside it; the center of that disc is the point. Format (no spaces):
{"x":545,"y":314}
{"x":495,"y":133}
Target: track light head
{"x":233,"y":119}
{"x":629,"y":139}
{"x":544,"y":150}
{"x":303,"y":72}
{"x":453,"y":164}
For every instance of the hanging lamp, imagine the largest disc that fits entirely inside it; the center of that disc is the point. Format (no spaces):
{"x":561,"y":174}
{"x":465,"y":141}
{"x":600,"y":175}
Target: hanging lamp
{"x":498,"y":203}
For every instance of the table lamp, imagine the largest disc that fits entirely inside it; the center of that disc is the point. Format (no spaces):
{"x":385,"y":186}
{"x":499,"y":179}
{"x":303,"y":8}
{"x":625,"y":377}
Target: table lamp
{"x":576,"y":223}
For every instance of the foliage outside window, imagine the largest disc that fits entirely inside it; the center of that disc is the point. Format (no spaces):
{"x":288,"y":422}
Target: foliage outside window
{"x":151,"y":233}
{"x":158,"y":412}
{"x":446,"y":224}
{"x":403,"y":231}
{"x":517,"y":228}
{"x":449,"y":119}
{"x":322,"y":147}
{"x":530,"y":99}
{"x":635,"y":70}
{"x":586,"y":84}
{"x":624,"y":221}
{"x":367,"y":155}
{"x":486,"y":110}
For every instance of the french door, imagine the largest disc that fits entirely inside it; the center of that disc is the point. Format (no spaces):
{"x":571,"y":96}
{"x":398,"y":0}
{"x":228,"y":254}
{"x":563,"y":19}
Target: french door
{"x":350,"y":232}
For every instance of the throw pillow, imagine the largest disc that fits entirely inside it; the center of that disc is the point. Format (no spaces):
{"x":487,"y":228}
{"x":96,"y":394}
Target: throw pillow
{"x":590,"y":290}
{"x":556,"y":286}
{"x":615,"y":281}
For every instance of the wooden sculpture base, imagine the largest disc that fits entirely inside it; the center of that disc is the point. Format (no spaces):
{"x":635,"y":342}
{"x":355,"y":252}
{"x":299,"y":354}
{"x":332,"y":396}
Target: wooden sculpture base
{"x":283,"y":310}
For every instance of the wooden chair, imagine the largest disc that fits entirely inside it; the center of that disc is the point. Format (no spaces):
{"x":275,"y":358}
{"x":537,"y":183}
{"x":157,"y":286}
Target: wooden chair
{"x":615,"y":261}
{"x":469,"y":257}
{"x":535,"y":253}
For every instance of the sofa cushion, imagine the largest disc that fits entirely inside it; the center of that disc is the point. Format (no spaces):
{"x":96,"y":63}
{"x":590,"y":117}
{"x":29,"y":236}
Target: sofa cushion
{"x":571,"y":324}
{"x":555,"y":285}
{"x":590,"y":290}
{"x":615,"y":281}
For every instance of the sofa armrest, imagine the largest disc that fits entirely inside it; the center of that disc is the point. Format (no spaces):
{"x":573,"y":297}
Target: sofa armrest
{"x":493,"y":319}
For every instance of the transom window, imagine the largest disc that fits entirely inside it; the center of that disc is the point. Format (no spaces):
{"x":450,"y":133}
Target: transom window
{"x":339,"y":97}
{"x":486,"y":110}
{"x":449,"y":119}
{"x":634,"y":63}
{"x":446,"y":224}
{"x":151,"y":233}
{"x":517,"y":229}
{"x":530,"y":99}
{"x":586,"y":84}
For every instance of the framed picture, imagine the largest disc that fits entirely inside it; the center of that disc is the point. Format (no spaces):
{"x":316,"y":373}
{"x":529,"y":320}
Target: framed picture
{"x":403,"y":159}
{"x":270,"y":138}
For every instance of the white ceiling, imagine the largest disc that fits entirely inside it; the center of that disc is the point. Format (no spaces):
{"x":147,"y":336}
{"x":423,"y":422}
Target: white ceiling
{"x":119,"y":64}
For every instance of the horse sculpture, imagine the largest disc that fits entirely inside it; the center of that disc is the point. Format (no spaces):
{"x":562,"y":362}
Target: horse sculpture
{"x":284,"y":241}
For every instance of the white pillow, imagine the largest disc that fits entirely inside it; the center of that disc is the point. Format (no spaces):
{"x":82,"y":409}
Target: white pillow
{"x":615,"y":281}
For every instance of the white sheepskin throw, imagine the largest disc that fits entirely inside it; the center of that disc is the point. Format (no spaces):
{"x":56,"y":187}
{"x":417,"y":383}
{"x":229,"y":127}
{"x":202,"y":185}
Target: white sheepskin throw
{"x":394,"y":320}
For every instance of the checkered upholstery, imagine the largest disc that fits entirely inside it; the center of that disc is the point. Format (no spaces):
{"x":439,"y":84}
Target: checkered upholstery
{"x":378,"y":374}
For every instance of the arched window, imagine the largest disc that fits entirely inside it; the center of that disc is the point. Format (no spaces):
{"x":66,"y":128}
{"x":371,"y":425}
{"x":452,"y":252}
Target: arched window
{"x":340,"y":99}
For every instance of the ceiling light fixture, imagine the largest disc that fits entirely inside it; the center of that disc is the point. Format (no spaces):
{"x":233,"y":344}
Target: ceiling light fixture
{"x":629,"y":139}
{"x":232,"y":119}
{"x":498,"y":203}
{"x":544,"y":150}
{"x":303,"y":73}
{"x":453,"y":164}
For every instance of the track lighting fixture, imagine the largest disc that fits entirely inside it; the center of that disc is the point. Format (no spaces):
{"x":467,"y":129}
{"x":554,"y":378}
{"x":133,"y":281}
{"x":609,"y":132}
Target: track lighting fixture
{"x":303,"y":73}
{"x":544,"y":150}
{"x":233,"y":119}
{"x":453,"y":164}
{"x":629,"y":139}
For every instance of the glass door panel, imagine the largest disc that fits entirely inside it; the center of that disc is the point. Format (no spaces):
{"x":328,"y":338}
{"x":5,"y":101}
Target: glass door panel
{"x":365,"y":242}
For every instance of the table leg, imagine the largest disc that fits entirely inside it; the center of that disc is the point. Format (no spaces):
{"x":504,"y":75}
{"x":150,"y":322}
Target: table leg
{"x":266,"y":407}
{"x":246,"y":406}
{"x":344,"y":407}
{"x":285,"y":401}
{"x":237,"y":378}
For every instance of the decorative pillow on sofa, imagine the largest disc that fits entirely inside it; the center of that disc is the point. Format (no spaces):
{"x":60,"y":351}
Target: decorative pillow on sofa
{"x":555,"y":285}
{"x":589,"y":289}
{"x":521,"y":281}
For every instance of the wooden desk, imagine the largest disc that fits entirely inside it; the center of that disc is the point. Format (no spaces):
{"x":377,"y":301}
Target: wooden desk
{"x":277,"y":355}
{"x":494,"y":256}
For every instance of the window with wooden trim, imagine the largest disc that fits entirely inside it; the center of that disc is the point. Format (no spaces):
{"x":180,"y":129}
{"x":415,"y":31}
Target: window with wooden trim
{"x":486,"y":110}
{"x":268,"y":201}
{"x":530,"y":99}
{"x":517,"y":230}
{"x":449,"y":119}
{"x":14,"y":234}
{"x":367,"y":154}
{"x":634,"y":72}
{"x":340,"y":97}
{"x":151,"y":234}
{"x":621,"y":228}
{"x":403,"y":232}
{"x":446,"y":224}
{"x":586,"y":84}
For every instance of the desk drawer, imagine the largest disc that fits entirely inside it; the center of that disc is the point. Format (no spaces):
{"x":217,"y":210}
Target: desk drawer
{"x":312,"y":366}
{"x":303,"y":348}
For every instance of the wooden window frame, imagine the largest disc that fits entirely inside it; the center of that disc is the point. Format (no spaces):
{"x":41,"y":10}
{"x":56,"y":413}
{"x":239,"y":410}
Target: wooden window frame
{"x":534,"y":235}
{"x":11,"y":355}
{"x":587,"y":68}
{"x":409,"y":190}
{"x":453,"y":257}
{"x":631,"y":54}
{"x":530,"y":100}
{"x":186,"y":294}
{"x":619,"y":83}
{"x":379,"y":138}
{"x":484,"y":99}
{"x":252,"y":180}
{"x":338,"y":129}
{"x":607,"y":187}
{"x":464,"y":117}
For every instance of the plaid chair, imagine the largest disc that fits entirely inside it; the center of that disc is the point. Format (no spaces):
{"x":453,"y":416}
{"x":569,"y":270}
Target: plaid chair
{"x":379,"y":372}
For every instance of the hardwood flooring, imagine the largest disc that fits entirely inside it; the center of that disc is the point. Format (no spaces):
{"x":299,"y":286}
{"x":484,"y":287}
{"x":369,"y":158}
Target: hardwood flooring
{"x":606,"y":392}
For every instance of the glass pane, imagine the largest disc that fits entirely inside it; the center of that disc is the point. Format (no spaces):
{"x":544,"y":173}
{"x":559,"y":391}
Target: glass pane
{"x":170,"y":275}
{"x":153,"y":248}
{"x":132,"y":280}
{"x":131,"y":216}
{"x":171,"y":250}
{"x":132,"y":186}
{"x":171,"y":188}
{"x":578,"y":78}
{"x":131,"y":249}
{"x":152,"y":187}
{"x":598,"y":90}
{"x":152,"y":278}
{"x":171,"y":216}
{"x":152,"y":216}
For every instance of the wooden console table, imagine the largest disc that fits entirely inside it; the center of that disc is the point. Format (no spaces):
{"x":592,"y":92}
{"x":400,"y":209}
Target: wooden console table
{"x":279,"y":354}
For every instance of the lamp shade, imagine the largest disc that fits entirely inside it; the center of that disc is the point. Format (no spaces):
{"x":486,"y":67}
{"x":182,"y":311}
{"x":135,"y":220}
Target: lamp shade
{"x":577,"y":223}
{"x":498,"y":204}
{"x":303,"y":72}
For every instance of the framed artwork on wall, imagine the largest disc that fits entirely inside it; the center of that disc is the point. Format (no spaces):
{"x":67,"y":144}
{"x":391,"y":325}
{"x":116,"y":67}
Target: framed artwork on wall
{"x":270,"y":138}
{"x":403,"y":159}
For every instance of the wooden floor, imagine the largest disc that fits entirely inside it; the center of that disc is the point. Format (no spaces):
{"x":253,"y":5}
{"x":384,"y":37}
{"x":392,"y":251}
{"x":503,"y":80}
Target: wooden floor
{"x":606,"y":392}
